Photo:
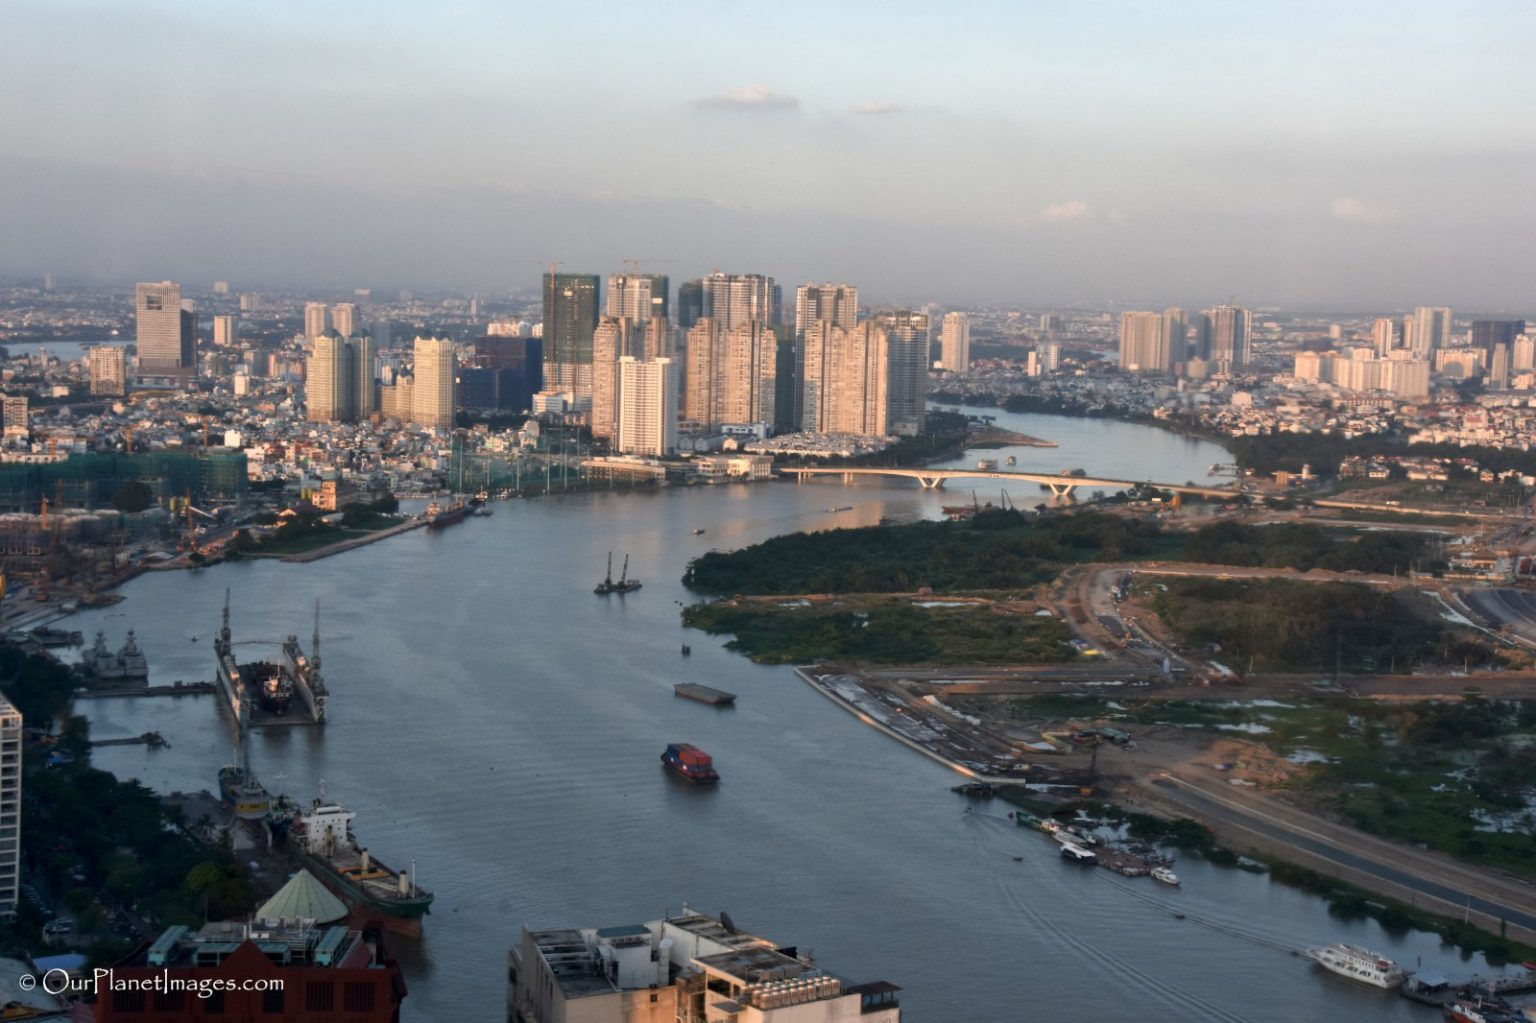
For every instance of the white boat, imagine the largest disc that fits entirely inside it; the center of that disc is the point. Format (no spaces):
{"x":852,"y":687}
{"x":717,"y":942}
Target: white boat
{"x":1358,"y":963}
{"x":987,"y":464}
{"x":1165,"y":875}
{"x":1077,"y":854}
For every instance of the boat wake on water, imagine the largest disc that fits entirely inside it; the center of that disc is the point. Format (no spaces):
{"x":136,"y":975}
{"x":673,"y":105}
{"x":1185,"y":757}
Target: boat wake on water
{"x":1209,"y":923}
{"x":1192,"y":1004}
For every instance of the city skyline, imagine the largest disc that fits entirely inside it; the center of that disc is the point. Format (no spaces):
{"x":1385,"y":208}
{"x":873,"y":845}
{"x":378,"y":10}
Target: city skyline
{"x":1296,"y":157}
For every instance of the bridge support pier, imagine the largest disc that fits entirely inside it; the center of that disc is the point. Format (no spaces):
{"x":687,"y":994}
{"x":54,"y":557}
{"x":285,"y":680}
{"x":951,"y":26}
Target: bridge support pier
{"x":1062,"y":489}
{"x":847,"y":478}
{"x":931,"y":482}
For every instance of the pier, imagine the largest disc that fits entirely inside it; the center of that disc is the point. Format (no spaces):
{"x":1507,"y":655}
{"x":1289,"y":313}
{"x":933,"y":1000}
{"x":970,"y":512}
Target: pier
{"x":178,"y":689}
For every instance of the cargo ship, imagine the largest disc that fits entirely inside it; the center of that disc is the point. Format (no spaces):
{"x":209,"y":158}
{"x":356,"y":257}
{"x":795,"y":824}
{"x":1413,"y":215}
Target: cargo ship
{"x":327,"y":846}
{"x":623,"y":586}
{"x":439,"y":517}
{"x":690,"y":762}
{"x":289,"y":691}
{"x":704,"y":694}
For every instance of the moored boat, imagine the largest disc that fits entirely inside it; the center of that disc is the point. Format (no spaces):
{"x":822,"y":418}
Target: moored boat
{"x":439,"y":517}
{"x":1357,"y":964}
{"x":624,"y":585}
{"x":690,"y":762}
{"x":1482,"y":1010}
{"x":1077,"y":854}
{"x":248,"y":797}
{"x":1165,"y":875}
{"x":327,"y":846}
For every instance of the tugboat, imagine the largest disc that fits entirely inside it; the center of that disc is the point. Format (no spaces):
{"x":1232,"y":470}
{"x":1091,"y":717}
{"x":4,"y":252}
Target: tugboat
{"x":623,"y":586}
{"x":690,"y":762}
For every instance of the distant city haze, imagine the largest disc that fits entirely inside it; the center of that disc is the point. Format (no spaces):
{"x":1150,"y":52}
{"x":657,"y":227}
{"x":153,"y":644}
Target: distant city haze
{"x":1368,"y":155}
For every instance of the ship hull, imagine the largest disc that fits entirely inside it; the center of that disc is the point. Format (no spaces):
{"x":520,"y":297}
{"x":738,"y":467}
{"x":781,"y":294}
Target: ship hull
{"x":442,"y":520}
{"x":403,"y":916}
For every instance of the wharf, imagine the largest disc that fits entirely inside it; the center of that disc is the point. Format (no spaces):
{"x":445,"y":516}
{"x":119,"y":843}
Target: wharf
{"x":355,"y":542}
{"x":179,"y":689}
{"x":1122,"y":862}
{"x":154,"y":740}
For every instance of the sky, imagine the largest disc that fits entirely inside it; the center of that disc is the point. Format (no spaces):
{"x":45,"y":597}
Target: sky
{"x":1360,"y":155}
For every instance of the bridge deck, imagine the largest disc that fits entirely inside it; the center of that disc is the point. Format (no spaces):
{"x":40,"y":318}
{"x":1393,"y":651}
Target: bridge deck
{"x":930,"y":478}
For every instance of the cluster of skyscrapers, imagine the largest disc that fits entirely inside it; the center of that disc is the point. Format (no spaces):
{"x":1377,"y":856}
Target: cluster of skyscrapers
{"x":729,"y":362}
{"x":1403,"y":352}
{"x":1213,"y":341}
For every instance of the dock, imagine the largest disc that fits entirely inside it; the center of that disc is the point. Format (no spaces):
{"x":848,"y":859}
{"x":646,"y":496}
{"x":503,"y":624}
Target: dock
{"x":178,"y":689}
{"x":154,"y":740}
{"x":355,"y":542}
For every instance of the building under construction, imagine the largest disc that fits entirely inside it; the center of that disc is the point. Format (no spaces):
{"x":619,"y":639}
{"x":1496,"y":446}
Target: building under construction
{"x":90,"y":481}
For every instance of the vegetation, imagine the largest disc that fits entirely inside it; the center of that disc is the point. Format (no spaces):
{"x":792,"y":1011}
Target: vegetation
{"x":1005,"y":549}
{"x":1269,"y":625}
{"x":1303,"y":547}
{"x":38,"y":686}
{"x":886,"y":630}
{"x":995,"y":550}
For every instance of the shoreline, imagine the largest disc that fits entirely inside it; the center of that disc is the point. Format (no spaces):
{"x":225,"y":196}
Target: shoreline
{"x":1422,"y":881}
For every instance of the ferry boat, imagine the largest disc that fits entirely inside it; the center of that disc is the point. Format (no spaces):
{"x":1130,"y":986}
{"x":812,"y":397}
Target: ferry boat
{"x":1165,"y":875}
{"x":690,"y":762}
{"x":1357,"y":964}
{"x":327,"y":846}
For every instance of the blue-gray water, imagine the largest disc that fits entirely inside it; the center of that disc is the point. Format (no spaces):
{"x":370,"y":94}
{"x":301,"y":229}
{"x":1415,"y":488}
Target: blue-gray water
{"x":499,"y":724}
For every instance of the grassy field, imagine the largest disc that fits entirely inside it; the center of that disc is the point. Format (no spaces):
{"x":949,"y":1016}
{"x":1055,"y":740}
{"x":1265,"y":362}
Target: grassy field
{"x":279,"y":546}
{"x":882,"y":630}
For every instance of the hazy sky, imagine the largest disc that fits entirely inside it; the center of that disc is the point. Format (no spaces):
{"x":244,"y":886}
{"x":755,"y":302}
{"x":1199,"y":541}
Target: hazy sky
{"x":1352,"y":154}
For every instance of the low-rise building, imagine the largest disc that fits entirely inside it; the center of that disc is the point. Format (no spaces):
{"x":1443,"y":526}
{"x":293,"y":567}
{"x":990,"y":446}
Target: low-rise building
{"x":688,"y":968}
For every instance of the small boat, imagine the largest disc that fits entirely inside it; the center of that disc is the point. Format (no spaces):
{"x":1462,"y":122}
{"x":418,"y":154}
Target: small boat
{"x":689,"y":762}
{"x":1357,"y":964}
{"x":698,"y":532}
{"x":841,"y":508}
{"x":1178,"y":916}
{"x":1013,"y":460}
{"x":1018,"y":859}
{"x":987,"y":464}
{"x":1077,"y":854}
{"x":704,"y":694}
{"x":1482,"y":1010}
{"x":687,"y":650}
{"x":1165,"y":875}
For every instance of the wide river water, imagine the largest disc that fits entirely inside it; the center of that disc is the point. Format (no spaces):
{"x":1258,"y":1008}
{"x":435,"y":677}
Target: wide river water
{"x":499,"y":725}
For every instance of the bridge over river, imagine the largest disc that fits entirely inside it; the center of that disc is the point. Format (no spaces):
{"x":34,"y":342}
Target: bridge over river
{"x":1059,"y":484}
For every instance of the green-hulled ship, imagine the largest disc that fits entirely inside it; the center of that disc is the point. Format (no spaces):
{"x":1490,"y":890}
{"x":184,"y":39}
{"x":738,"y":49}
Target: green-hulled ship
{"x":325,"y":844}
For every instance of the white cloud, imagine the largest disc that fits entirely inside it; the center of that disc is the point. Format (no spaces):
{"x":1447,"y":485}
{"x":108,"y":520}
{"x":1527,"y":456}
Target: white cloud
{"x":751,"y":97}
{"x":1352,"y":210}
{"x":1069,"y":210}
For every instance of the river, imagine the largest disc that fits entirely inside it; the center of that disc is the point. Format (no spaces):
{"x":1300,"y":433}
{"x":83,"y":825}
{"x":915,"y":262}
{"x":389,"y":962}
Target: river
{"x":497,"y":723}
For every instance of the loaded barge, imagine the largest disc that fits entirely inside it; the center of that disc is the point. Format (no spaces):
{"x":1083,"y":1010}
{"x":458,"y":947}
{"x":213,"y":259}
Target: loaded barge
{"x":289,"y":692}
{"x":704,"y":694}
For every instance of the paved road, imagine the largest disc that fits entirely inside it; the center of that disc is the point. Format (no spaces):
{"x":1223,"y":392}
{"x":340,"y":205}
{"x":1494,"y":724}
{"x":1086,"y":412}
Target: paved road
{"x":1515,"y":609}
{"x":1427,"y":874}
